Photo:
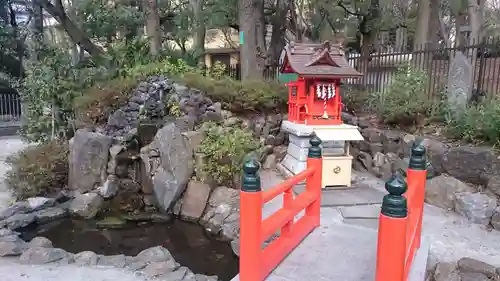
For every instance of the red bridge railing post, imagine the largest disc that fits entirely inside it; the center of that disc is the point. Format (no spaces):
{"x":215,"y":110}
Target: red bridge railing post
{"x":251,"y":221}
{"x":416,"y":178}
{"x":391,"y":247}
{"x":313,"y":183}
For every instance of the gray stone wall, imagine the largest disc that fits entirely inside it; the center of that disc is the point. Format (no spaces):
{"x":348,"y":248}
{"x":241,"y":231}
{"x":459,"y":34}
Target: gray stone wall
{"x":464,"y":178}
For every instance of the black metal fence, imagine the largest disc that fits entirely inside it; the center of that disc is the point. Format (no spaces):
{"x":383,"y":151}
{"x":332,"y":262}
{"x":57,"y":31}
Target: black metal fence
{"x":380,"y":69}
{"x":10,"y":106}
{"x":483,"y":60}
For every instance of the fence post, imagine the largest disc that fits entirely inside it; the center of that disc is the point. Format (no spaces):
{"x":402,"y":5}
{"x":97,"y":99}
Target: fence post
{"x":250,"y":223}
{"x":391,"y":247}
{"x":313,"y":183}
{"x":416,"y":178}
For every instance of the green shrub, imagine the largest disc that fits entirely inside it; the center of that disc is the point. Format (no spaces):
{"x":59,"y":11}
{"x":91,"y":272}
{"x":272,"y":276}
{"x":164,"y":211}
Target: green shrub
{"x":38,"y":170}
{"x":225,"y":148}
{"x":405,"y":102}
{"x":237,"y":96}
{"x":355,"y":100}
{"x":478,"y":123}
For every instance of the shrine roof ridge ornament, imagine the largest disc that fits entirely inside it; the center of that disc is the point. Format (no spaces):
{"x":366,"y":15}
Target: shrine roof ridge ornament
{"x":324,"y":60}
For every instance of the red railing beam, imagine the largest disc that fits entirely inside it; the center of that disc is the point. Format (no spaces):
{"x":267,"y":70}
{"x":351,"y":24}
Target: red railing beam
{"x":257,"y":263}
{"x":287,"y":184}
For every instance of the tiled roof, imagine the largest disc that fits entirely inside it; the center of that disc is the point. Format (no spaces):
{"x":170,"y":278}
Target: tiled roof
{"x":322,"y":60}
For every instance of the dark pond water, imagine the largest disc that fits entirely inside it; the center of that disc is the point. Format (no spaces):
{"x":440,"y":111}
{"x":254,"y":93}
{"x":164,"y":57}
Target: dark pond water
{"x":188,"y":243}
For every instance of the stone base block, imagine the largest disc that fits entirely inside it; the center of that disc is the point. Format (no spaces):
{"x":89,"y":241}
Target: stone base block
{"x":303,"y":142}
{"x":300,"y":153}
{"x":293,"y":164}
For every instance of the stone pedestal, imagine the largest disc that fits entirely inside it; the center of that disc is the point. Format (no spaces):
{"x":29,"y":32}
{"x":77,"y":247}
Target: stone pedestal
{"x":299,"y":136}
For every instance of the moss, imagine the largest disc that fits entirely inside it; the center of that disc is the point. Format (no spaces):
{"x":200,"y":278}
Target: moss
{"x":39,"y":170}
{"x":237,"y":96}
{"x":94,"y":106}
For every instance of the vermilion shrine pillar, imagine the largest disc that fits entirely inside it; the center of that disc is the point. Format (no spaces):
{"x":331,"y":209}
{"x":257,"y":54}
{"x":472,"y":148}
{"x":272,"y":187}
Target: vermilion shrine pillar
{"x":315,"y":106}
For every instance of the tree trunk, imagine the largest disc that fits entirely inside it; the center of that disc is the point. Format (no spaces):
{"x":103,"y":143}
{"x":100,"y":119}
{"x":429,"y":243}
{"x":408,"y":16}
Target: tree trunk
{"x":199,"y":31}
{"x":277,"y":42}
{"x":423,"y":19}
{"x":153,"y":26}
{"x":248,"y":15}
{"x":74,"y":33}
{"x":36,"y":30}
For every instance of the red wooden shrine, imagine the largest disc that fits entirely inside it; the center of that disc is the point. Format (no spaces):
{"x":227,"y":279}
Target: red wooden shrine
{"x":314,"y":98}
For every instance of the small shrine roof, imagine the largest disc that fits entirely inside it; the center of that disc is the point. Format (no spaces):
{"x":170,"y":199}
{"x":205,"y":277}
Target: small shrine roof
{"x":319,"y":60}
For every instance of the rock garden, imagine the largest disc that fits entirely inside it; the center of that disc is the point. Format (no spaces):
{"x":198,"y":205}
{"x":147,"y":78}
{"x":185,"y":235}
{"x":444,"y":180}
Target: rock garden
{"x":150,"y":180}
{"x":160,"y":171}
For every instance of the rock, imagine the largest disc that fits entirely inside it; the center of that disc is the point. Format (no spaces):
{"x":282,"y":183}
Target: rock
{"x":222,"y":203}
{"x":477,"y":207}
{"x":118,"y":261}
{"x":372,"y":135}
{"x":469,"y":163}
{"x":11,"y":248}
{"x":109,"y":188}
{"x":235,"y":246}
{"x":391,"y":140}
{"x":473,"y":277}
{"x":86,"y":205}
{"x":210,"y":116}
{"x":7,"y":232}
{"x":446,"y":272}
{"x":111,"y":222}
{"x":86,"y":258}
{"x":200,"y":277}
{"x":468,"y":265}
{"x":16,"y":208}
{"x":41,"y":242}
{"x":495,"y":219}
{"x":280,"y":152}
{"x":157,"y":269}
{"x":440,"y":191}
{"x":155,"y":254}
{"x":194,"y":200}
{"x":39,"y":255}
{"x":37,"y":203}
{"x":49,"y":214}
{"x":19,"y":221}
{"x":365,"y":160}
{"x":270,"y":162}
{"x":493,"y":183}
{"x":88,"y":160}
{"x":114,"y":150}
{"x":178,"y":274}
{"x":134,"y":264}
{"x":127,"y":202}
{"x":193,"y":139}
{"x":176,"y":166}
{"x":436,"y":152}
{"x":382,"y":166}
{"x":459,"y":88}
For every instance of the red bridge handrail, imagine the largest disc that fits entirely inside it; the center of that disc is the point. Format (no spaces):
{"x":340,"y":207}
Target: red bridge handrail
{"x":256,"y":262}
{"x":400,"y":226}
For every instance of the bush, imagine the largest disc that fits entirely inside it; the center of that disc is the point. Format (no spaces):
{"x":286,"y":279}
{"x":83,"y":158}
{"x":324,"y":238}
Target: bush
{"x":225,"y":149}
{"x":237,"y":96}
{"x":354,"y":99}
{"x":38,"y":170}
{"x":478,"y":123}
{"x":405,"y":102}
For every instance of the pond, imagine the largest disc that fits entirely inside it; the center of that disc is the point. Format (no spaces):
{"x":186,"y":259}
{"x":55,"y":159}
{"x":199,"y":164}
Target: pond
{"x":188,"y":242}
